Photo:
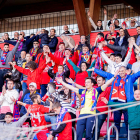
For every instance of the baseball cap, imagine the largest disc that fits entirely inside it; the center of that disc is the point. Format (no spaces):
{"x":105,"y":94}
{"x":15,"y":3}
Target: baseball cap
{"x":33,"y":84}
{"x":100,"y":40}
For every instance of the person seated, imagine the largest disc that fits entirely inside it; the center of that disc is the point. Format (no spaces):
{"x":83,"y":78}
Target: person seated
{"x":112,"y":35}
{"x":8,"y":98}
{"x":99,"y":22}
{"x":65,"y":28}
{"x":16,"y":36}
{"x":9,"y":131}
{"x":116,"y":22}
{"x":21,"y":59}
{"x":44,"y":37}
{"x":85,"y":56}
{"x":63,"y":131}
{"x":15,"y":76}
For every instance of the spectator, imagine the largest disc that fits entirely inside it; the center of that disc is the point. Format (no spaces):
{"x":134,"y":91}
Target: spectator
{"x":21,"y":59}
{"x":24,"y":77}
{"x":118,"y":60}
{"x":63,"y":72}
{"x":44,"y":37}
{"x":5,"y":37}
{"x":122,"y":86}
{"x":137,"y":37}
{"x":52,"y":40}
{"x":65,"y":28}
{"x":36,"y":108}
{"x":81,"y":73}
{"x":35,"y":50}
{"x":116,"y":21}
{"x":99,"y":22}
{"x":111,"y":37}
{"x":6,"y":57}
{"x":112,"y":58}
{"x":16,"y":36}
{"x":8,"y":98}
{"x":88,"y":103}
{"x":15,"y":76}
{"x":44,"y":77}
{"x":64,"y":130}
{"x":133,"y":22}
{"x":10,"y":126}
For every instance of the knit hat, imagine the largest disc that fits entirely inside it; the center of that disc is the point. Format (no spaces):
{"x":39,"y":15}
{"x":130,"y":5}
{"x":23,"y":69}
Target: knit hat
{"x":100,"y":40}
{"x":62,"y":43}
{"x":33,"y":84}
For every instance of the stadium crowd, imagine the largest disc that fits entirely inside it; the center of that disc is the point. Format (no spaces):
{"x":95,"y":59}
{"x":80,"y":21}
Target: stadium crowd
{"x":57,"y":82}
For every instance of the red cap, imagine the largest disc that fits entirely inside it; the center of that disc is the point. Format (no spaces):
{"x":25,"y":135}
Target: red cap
{"x":62,"y":43}
{"x":100,"y":40}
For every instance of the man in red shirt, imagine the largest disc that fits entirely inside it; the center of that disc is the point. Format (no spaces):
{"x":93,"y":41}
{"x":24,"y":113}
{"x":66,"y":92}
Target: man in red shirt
{"x":63,"y":131}
{"x":37,"y":115}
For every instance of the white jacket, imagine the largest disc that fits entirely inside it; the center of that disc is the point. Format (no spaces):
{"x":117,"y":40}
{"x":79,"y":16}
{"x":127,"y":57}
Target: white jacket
{"x":6,"y":102}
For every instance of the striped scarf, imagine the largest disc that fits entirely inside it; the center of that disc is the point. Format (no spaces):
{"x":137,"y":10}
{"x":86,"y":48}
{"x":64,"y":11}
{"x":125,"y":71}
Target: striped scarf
{"x":3,"y":58}
{"x":33,"y":52}
{"x":73,"y":98}
{"x":20,"y":45}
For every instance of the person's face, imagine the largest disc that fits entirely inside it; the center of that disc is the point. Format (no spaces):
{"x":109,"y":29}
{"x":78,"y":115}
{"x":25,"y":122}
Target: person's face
{"x":118,"y":59}
{"x":83,"y":67}
{"x":38,"y":99}
{"x":100,"y":81}
{"x":14,"y":62}
{"x":137,"y":95}
{"x":88,"y":84}
{"x":35,"y":44}
{"x":23,"y":54}
{"x":8,"y":118}
{"x":22,"y":33}
{"x":16,"y":35}
{"x":112,"y":57}
{"x":67,"y":53}
{"x":6,"y":48}
{"x":112,"y":27}
{"x":65,"y":28}
{"x":137,"y":57}
{"x":66,"y":91}
{"x":6,"y":36}
{"x":61,"y":47}
{"x":60,"y":69}
{"x":28,"y":57}
{"x":21,"y":36}
{"x":122,"y":72}
{"x":45,"y":48}
{"x":132,"y":23}
{"x":85,"y":49}
{"x":32,"y":89}
{"x":10,"y":85}
{"x":131,"y":40}
{"x":42,"y":31}
{"x":52,"y":33}
{"x":121,"y":32}
{"x":99,"y":23}
{"x":57,"y":110}
{"x":138,"y":30}
{"x":83,"y":39}
{"x":116,"y":22}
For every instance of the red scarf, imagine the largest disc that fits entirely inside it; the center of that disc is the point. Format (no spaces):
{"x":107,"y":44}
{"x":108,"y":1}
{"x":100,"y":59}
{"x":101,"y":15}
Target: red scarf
{"x":118,"y":92}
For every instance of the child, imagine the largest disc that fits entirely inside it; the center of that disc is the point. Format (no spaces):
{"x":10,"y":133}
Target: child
{"x":44,"y":38}
{"x":37,"y":115}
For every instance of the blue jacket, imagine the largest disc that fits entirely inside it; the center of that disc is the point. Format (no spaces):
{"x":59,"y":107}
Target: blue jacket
{"x":130,"y":79}
{"x":27,"y":100}
{"x":44,"y":38}
{"x":53,"y":43}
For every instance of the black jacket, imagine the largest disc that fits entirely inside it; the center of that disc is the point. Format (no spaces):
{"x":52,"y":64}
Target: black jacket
{"x":66,"y":73}
{"x":53,"y":43}
{"x":15,"y":77}
{"x":124,"y":43}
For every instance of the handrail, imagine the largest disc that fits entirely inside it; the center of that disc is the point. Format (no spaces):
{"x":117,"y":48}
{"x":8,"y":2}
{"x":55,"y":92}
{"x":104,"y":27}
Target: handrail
{"x":96,"y":127}
{"x":108,"y":134}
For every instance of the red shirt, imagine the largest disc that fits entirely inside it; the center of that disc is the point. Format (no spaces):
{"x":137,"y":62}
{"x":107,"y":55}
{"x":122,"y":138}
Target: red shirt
{"x":100,"y":103}
{"x":66,"y":134}
{"x":37,"y":113}
{"x":132,"y":58}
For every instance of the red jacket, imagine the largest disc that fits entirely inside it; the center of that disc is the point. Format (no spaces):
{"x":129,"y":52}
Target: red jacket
{"x":66,"y":134}
{"x":33,"y":76}
{"x":132,"y":58}
{"x":45,"y":78}
{"x":59,"y":61}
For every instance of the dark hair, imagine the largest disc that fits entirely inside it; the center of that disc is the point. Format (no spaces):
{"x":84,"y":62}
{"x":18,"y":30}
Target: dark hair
{"x":112,"y":54}
{"x":53,"y":30}
{"x":92,"y":80}
{"x":137,"y":26}
{"x":21,"y":34}
{"x":11,"y":65}
{"x":46,"y":31}
{"x":32,"y":65}
{"x":10,"y":80}
{"x":65,"y":95}
{"x":32,"y":34}
{"x":6,"y":44}
{"x":52,"y":84}
{"x":82,"y":35}
{"x":117,"y":20}
{"x":99,"y":20}
{"x":9,"y":113}
{"x":33,"y":97}
{"x":101,"y":77}
{"x":118,"y":55}
{"x":85,"y":45}
{"x":35,"y":41}
{"x":120,"y":28}
{"x":81,"y":65}
{"x":101,"y":34}
{"x":56,"y":105}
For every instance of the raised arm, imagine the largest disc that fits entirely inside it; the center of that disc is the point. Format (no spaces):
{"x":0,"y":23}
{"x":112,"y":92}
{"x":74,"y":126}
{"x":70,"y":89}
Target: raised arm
{"x":105,"y":19}
{"x":21,"y":103}
{"x":14,"y":49}
{"x":127,"y":58}
{"x":91,"y":21}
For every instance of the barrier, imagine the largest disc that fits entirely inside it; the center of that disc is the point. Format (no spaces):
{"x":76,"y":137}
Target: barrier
{"x":117,"y":134}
